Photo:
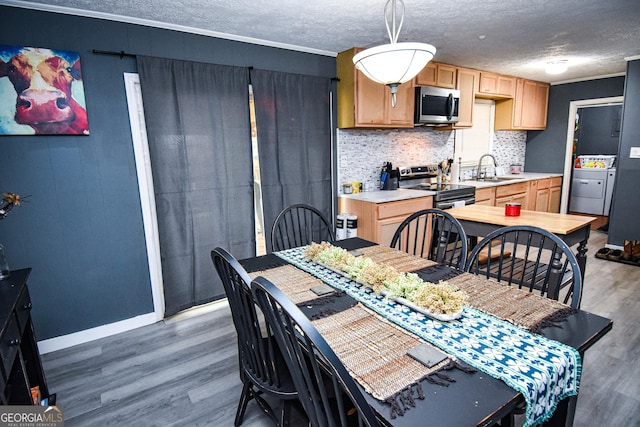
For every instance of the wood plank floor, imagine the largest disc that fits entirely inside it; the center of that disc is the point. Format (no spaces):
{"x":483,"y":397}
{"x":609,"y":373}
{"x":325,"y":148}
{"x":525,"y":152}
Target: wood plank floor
{"x":183,"y":371}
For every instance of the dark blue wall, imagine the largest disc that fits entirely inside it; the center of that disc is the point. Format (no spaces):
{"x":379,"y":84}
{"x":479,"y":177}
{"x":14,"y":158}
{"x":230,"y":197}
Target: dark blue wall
{"x":81,"y":229}
{"x":623,"y":222}
{"x":546,"y":149}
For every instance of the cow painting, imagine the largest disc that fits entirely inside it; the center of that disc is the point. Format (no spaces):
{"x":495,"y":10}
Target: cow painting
{"x":42,"y":92}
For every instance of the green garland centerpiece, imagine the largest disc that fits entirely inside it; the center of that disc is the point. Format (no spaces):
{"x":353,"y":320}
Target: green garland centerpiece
{"x":435,"y":298}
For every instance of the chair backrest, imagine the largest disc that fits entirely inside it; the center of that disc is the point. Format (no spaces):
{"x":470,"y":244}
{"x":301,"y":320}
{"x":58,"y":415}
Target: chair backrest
{"x":257,"y":353}
{"x":299,"y":225}
{"x":433,"y":234}
{"x":326,"y":390}
{"x":531,"y":258}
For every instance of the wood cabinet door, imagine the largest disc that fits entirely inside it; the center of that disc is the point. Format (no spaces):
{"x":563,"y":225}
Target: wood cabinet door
{"x":535,"y":96}
{"x":370,"y":101}
{"x":428,"y":75}
{"x":497,"y":85}
{"x":466,"y":83}
{"x":554,"y":199}
{"x":402,"y":114}
{"x":542,"y":200}
{"x":386,"y":228}
{"x":446,"y":76}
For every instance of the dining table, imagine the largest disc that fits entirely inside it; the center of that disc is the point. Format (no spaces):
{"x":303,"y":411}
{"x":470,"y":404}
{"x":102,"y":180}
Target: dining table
{"x":463,"y":395}
{"x":479,"y":220}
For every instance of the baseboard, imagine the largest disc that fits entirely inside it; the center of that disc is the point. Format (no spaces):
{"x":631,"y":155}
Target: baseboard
{"x":65,"y":341}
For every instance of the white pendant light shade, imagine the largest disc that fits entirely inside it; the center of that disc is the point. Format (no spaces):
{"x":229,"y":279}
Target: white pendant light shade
{"x":394,"y":63}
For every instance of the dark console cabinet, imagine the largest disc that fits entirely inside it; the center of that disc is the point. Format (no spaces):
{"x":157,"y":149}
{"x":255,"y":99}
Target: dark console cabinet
{"x":20,"y":365}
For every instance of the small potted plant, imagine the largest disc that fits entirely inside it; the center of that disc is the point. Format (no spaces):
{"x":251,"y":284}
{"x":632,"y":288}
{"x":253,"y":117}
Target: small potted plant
{"x":9,"y":200}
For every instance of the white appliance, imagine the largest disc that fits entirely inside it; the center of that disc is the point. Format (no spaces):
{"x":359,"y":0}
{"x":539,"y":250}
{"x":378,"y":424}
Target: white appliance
{"x":592,"y":184}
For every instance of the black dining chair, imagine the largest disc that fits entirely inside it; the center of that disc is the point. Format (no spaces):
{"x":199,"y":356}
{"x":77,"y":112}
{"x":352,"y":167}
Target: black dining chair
{"x":328,"y":393}
{"x":531,"y":258}
{"x":262,"y":367}
{"x":433,"y":234}
{"x":299,"y":225}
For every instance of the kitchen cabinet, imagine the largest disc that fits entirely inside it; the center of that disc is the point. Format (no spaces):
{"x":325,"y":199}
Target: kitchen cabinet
{"x":555,"y":193}
{"x":492,"y":85}
{"x":539,"y":194}
{"x":527,"y":110}
{"x":466,"y":82}
{"x":515,"y":193}
{"x":486,"y":196}
{"x":378,"y":222}
{"x":436,"y":74}
{"x":363,"y":103}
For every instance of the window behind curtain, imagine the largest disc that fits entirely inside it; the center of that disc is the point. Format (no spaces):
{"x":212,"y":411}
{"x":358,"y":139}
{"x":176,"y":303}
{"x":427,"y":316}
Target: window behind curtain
{"x":294,"y":140}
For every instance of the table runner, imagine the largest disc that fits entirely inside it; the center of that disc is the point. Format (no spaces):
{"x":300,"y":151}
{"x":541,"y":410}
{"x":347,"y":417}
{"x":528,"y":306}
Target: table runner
{"x":544,"y":371}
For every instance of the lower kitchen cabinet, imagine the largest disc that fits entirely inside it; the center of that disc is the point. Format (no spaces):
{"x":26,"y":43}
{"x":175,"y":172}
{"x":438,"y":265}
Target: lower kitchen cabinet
{"x":555,"y":193}
{"x":486,"y":196}
{"x":513,"y":193}
{"x":539,"y":195}
{"x":378,"y":222}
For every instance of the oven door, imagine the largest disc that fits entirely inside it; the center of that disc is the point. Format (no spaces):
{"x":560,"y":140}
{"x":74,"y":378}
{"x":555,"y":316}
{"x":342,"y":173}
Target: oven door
{"x":448,"y":204}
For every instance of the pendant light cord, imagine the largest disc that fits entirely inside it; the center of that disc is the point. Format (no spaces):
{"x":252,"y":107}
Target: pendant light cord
{"x":393,"y":33}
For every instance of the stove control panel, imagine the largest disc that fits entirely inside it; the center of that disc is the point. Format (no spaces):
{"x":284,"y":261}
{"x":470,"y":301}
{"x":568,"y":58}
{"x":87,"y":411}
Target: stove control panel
{"x":418,"y":171}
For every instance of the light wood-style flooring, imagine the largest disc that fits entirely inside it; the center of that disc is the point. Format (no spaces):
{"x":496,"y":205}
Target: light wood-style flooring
{"x":183,"y":371}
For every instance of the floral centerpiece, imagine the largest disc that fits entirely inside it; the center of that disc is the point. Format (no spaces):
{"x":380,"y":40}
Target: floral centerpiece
{"x":436,"y":298}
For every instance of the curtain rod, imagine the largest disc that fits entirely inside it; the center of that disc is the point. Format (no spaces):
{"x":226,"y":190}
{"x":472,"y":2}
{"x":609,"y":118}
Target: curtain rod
{"x":121,"y":54}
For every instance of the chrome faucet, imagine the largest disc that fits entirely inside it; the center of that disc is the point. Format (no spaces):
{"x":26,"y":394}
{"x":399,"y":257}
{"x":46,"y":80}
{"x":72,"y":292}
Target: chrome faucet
{"x":480,"y":175}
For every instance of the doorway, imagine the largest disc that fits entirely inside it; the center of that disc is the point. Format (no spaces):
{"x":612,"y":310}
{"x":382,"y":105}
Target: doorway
{"x":571,"y":128}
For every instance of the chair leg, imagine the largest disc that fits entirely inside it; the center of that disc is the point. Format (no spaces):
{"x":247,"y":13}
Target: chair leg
{"x":245,"y":397}
{"x":285,"y":413}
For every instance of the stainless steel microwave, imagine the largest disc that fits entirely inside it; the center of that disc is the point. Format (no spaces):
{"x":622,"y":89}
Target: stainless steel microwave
{"x":436,"y":105}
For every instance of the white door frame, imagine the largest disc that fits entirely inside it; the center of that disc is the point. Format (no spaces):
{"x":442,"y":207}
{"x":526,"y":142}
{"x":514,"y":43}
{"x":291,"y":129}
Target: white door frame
{"x":573,"y":110}
{"x":145,"y":184}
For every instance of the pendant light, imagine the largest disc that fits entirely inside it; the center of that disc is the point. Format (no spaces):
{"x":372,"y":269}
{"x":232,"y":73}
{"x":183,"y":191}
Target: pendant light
{"x":394,"y":63}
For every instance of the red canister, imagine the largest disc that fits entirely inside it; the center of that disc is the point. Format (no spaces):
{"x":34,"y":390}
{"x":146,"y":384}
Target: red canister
{"x":512,"y":209}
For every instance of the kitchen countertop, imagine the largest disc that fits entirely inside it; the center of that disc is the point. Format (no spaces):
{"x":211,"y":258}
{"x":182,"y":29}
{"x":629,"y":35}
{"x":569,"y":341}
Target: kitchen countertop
{"x":382,"y":196}
{"x":510,"y":179}
{"x":404,"y":194}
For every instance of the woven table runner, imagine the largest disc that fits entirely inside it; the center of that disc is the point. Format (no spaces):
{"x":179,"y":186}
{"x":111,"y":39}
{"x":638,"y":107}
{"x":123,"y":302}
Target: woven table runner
{"x":401,"y":261}
{"x":375,"y":351}
{"x":518,"y":306}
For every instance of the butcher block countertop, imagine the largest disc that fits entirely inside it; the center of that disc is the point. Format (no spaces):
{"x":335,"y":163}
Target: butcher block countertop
{"x":554,"y":222}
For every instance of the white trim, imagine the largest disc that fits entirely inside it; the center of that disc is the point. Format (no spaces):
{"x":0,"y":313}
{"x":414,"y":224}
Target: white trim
{"x":584,"y":79}
{"x":632,"y":58}
{"x":58,"y":343}
{"x":145,"y":185}
{"x":571,"y":124}
{"x":157,"y":24}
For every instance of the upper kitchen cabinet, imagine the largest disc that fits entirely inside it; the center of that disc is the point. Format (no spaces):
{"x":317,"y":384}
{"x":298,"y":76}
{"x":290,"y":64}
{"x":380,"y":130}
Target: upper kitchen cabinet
{"x":436,"y":74}
{"x":492,"y":85}
{"x":527,"y":110}
{"x":466,"y":82}
{"x":363,"y":103}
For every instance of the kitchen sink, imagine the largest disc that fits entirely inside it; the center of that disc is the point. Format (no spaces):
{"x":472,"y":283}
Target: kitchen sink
{"x":500,"y":179}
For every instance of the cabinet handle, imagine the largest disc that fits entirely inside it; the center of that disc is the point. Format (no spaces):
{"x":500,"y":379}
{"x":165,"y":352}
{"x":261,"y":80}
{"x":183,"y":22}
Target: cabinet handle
{"x":15,"y":341}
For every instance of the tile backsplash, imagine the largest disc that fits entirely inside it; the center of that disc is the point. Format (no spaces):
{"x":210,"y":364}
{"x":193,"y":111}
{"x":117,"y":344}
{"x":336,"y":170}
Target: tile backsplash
{"x":361,"y":152}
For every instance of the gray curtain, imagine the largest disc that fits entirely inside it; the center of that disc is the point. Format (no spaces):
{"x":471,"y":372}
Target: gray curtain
{"x":294,"y":139}
{"x":197,"y":118}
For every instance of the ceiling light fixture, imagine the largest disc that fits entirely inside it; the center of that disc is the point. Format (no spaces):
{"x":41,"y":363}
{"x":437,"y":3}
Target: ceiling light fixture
{"x":556,"y":66}
{"x":394,"y":63}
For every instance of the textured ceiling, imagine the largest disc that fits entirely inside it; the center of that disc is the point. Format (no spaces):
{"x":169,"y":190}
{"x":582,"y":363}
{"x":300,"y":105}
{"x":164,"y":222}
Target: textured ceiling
{"x":519,"y":36}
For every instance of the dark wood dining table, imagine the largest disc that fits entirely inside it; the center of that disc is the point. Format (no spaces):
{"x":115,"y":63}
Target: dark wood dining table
{"x":473,"y":399}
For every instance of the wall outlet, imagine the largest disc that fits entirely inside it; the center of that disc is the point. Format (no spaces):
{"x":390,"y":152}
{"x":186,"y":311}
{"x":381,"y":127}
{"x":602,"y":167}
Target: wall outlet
{"x":634,"y":153}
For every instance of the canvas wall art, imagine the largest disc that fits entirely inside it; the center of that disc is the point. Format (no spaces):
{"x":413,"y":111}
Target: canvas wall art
{"x":41,"y":92}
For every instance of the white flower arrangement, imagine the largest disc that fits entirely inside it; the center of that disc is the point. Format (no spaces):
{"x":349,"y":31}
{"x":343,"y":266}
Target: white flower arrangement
{"x":436,"y":298}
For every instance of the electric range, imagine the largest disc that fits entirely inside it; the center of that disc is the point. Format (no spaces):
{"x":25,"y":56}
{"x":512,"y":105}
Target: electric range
{"x":447,"y":194}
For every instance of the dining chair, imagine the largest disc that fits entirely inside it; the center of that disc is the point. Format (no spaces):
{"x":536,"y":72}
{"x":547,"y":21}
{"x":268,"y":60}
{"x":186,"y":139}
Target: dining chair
{"x":262,"y":367}
{"x":531,"y":258}
{"x":433,"y":234}
{"x":327,"y":392}
{"x":299,"y":225}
